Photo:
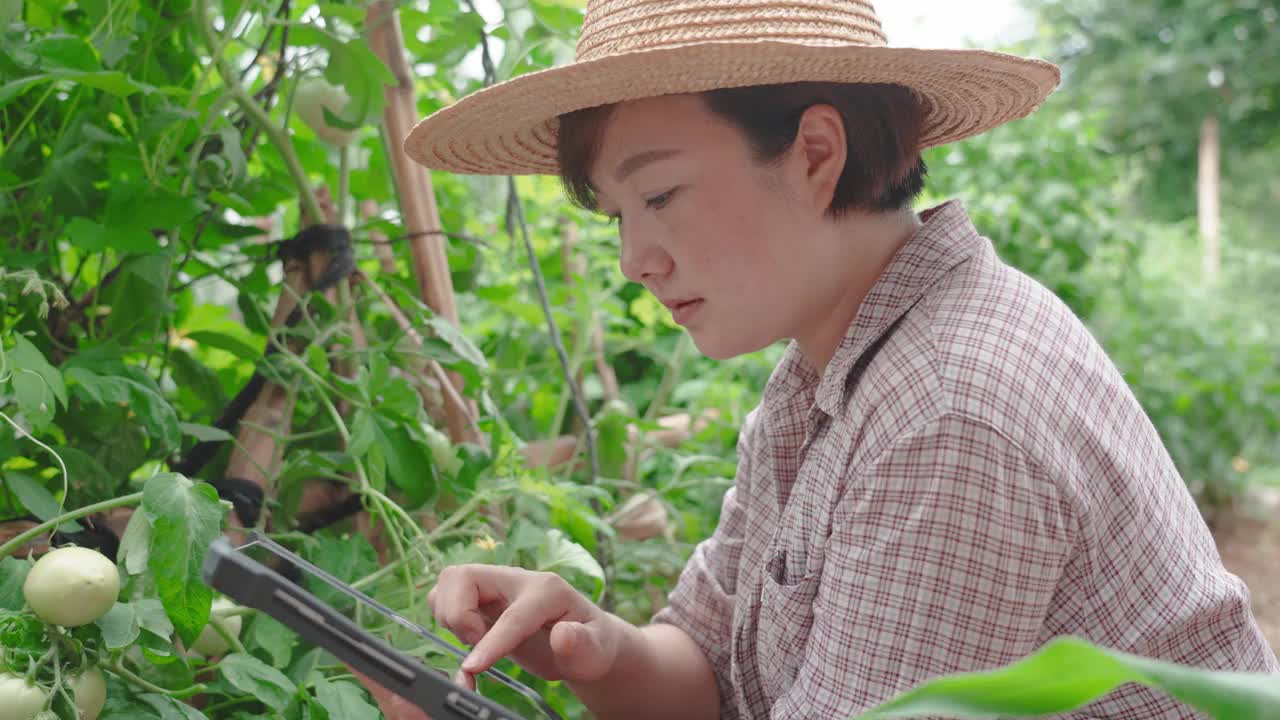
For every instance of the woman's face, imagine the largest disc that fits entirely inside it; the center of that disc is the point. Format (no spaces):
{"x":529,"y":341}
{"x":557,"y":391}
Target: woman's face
{"x":728,"y":246}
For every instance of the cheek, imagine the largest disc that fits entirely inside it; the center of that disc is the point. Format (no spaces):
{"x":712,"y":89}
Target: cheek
{"x":731,"y":236}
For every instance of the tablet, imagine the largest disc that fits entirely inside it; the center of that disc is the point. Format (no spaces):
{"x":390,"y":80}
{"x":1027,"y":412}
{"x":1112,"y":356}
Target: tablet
{"x":252,"y":584}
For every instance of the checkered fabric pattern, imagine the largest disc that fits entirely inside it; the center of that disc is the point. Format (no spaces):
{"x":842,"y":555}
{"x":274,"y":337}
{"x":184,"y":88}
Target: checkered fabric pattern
{"x":969,"y":478}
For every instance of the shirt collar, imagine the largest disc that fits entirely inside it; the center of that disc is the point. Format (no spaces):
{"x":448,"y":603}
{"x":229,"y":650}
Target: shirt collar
{"x":945,"y":238}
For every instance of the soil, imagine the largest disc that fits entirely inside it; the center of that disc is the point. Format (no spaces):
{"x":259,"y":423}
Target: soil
{"x":1249,"y":540}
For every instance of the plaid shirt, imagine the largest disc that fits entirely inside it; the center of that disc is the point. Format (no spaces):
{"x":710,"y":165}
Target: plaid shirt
{"x":969,"y":478}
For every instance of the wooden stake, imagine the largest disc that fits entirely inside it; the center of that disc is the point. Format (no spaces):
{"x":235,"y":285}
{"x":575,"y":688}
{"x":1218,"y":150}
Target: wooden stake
{"x":417,"y":197}
{"x":1207,"y":211}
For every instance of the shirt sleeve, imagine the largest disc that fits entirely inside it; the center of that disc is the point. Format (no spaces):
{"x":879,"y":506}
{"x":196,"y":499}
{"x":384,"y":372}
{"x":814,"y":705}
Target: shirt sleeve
{"x":944,"y":556}
{"x":703,"y":600}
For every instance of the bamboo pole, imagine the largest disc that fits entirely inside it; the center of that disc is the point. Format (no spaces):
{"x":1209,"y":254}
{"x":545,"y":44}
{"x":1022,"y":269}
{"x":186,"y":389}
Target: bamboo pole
{"x":418,"y":208}
{"x":1207,"y":194}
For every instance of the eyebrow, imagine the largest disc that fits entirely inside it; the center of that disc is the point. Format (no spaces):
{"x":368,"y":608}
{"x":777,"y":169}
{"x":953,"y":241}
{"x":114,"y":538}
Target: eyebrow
{"x":639,"y":160}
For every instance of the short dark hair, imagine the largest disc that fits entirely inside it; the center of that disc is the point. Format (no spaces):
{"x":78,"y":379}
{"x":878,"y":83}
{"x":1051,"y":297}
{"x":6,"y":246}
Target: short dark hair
{"x":883,"y":123}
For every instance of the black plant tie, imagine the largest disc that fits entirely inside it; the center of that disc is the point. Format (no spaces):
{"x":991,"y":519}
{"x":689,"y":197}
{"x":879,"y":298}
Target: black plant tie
{"x":245,"y":495}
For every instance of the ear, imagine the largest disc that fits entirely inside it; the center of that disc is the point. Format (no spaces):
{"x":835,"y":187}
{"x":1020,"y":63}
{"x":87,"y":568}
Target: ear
{"x":818,"y":155}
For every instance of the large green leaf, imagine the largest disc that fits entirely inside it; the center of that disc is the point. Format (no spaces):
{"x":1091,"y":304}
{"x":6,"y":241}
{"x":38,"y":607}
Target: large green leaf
{"x":38,"y":385}
{"x":119,"y":626}
{"x":185,"y":518}
{"x":345,"y":700}
{"x":560,"y":554}
{"x":1069,"y":672}
{"x":111,"y":81}
{"x":267,"y":633}
{"x":254,"y":677}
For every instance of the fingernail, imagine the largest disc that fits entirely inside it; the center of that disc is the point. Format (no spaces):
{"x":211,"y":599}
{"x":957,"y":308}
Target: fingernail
{"x":471,"y":664}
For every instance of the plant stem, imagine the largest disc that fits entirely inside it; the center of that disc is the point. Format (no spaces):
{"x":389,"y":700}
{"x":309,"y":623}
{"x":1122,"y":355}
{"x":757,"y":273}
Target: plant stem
{"x":66,"y":478}
{"x":344,"y":182}
{"x":515,"y":219}
{"x":254,"y":111}
{"x":124,"y":672}
{"x":19,"y":540}
{"x":669,"y":376}
{"x":230,"y":637}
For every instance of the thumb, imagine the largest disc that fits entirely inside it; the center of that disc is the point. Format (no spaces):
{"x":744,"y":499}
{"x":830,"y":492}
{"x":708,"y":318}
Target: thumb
{"x":583,"y":651}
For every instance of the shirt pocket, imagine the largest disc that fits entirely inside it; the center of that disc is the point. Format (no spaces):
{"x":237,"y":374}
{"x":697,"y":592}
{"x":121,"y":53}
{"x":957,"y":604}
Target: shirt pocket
{"x":787,"y":591}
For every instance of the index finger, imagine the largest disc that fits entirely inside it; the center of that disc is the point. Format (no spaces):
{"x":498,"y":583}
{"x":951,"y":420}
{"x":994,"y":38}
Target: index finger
{"x":526,"y":616}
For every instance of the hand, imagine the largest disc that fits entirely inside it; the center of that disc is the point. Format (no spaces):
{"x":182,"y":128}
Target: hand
{"x":393,"y":706}
{"x":536,"y":618}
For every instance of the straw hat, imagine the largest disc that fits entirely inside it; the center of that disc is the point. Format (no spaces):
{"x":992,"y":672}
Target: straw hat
{"x":631,"y":49}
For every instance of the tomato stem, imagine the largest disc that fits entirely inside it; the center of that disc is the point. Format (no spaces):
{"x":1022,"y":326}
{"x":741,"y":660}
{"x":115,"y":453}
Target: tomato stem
{"x":22,"y":539}
{"x":259,"y":116}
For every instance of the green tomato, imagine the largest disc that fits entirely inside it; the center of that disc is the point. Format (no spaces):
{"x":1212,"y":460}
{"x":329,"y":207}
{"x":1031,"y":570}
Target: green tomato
{"x":312,"y":97}
{"x":90,"y":692}
{"x":18,"y":700}
{"x":72,"y":586}
{"x":211,"y":643}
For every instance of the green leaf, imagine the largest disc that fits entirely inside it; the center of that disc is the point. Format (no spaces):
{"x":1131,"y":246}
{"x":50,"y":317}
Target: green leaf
{"x":135,"y":545}
{"x":13,"y":573}
{"x":345,"y":700}
{"x":222,"y":341}
{"x":409,"y":462}
{"x":123,"y":705}
{"x":254,"y":677}
{"x":10,"y":10}
{"x":458,"y":342}
{"x":101,"y":389}
{"x":185,"y":518}
{"x":156,"y":414}
{"x":38,"y":385}
{"x":87,"y":235}
{"x":170,"y":709}
{"x":119,"y":626}
{"x":39,"y":501}
{"x":66,"y":52}
{"x":558,"y":553}
{"x":363,"y":432}
{"x":347,"y":559}
{"x":267,"y":633}
{"x":152,"y":618}
{"x":204,"y":433}
{"x":1069,"y":672}
{"x":111,"y":81}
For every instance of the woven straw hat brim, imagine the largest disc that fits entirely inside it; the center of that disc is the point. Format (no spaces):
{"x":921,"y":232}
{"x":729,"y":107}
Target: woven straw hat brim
{"x":510,"y":128}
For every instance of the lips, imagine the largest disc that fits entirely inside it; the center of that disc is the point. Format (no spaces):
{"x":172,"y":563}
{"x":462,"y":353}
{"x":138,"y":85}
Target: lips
{"x":674,"y":304}
{"x":682,"y":310}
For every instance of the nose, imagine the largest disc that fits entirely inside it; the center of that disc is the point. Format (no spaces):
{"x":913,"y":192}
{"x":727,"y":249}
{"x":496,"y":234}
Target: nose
{"x":643,"y":256}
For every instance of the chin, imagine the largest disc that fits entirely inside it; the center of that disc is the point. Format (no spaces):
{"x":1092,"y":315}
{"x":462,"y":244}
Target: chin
{"x":726,"y":347}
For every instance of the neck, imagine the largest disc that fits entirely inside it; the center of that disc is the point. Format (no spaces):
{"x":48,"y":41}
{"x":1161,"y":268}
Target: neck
{"x":860,"y":249}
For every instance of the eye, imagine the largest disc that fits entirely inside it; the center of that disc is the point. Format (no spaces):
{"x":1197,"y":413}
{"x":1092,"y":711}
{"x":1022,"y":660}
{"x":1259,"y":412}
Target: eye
{"x":659,"y":202}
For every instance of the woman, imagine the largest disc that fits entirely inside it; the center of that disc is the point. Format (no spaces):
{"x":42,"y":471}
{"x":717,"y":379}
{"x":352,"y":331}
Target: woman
{"x":945,"y":470}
